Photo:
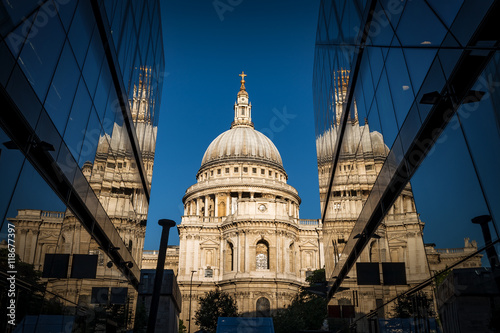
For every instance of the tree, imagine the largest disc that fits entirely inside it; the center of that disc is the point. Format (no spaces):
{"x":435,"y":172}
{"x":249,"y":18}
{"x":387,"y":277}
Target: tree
{"x":318,"y":276}
{"x":182,"y":327}
{"x":213,"y":305}
{"x":418,"y":305}
{"x":306,"y":312}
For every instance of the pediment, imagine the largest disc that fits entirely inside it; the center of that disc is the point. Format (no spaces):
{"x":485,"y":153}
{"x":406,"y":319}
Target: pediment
{"x":209,"y":243}
{"x":309,"y":244}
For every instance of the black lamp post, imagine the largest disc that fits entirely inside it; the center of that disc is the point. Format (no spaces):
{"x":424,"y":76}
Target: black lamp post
{"x":160,"y":266}
{"x":190,"y":297}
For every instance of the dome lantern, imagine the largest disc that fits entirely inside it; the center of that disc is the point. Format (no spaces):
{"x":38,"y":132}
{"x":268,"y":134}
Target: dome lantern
{"x":242,"y":107}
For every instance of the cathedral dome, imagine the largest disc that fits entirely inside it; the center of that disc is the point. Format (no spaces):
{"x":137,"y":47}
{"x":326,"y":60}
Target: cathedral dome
{"x":242,"y":143}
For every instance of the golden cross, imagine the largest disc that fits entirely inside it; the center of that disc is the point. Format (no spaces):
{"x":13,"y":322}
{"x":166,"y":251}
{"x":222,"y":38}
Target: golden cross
{"x":242,"y":75}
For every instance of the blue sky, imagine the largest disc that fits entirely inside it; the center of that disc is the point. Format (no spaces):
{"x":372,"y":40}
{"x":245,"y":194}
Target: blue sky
{"x":205,"y":50}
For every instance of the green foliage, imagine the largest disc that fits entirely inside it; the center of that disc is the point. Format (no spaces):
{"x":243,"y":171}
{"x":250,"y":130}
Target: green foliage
{"x":182,"y":327}
{"x":213,"y":305}
{"x":418,"y":305}
{"x":306,"y":312}
{"x":317,"y":276}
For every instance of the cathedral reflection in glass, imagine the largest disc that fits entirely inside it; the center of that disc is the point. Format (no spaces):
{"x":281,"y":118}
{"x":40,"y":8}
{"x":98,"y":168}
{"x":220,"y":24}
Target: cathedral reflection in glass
{"x":408,"y":139}
{"x":80,"y":89}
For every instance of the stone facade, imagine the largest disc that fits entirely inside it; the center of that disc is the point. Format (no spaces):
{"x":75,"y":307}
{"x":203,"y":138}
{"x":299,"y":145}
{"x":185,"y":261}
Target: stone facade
{"x":241,"y":230}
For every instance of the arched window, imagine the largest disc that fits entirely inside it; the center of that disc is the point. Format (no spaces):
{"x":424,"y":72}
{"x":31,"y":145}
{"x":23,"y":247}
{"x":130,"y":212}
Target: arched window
{"x":263,"y":307}
{"x":262,"y":255}
{"x":229,"y":257}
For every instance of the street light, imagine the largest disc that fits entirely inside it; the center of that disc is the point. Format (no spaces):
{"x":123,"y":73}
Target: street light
{"x":190,"y":297}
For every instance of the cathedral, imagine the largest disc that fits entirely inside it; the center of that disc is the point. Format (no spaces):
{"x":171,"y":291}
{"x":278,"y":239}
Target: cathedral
{"x":241,"y":229}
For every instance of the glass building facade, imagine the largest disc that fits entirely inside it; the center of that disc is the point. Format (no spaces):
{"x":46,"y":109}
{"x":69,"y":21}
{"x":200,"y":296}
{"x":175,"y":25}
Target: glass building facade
{"x":407,"y":114}
{"x":80,"y":87}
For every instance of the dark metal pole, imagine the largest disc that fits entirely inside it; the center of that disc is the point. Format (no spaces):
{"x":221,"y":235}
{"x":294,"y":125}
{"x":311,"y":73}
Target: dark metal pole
{"x":190,"y":297}
{"x":490,"y":252}
{"x":160,"y":266}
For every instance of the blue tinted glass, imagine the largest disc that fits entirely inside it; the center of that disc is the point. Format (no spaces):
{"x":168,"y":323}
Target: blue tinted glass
{"x":381,"y":31}
{"x":14,"y":12}
{"x":481,"y":125}
{"x":23,"y":95}
{"x":38,"y":61}
{"x":89,"y":144}
{"x":418,"y":61}
{"x":93,"y":62}
{"x":393,"y":10}
{"x":62,"y":89}
{"x":17,"y":38}
{"x":411,"y":31}
{"x":469,"y":16}
{"x":386,"y":111}
{"x":81,"y":31}
{"x":77,"y":121}
{"x":102,"y":92}
{"x":446,"y":9}
{"x":455,"y":197}
{"x":399,"y":82}
{"x":66,"y":9}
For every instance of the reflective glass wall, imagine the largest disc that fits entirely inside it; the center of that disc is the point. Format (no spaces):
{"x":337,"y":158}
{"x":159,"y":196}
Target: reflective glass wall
{"x":408,"y":140}
{"x":80,"y":87}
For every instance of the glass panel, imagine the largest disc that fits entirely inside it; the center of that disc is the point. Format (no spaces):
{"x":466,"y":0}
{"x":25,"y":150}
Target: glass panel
{"x":91,"y":140}
{"x":447,"y":10}
{"x":23,"y":95}
{"x":411,"y":32}
{"x":78,"y":118}
{"x":14,"y":12}
{"x":93,"y":63}
{"x":386,"y":111}
{"x":81,"y":31}
{"x":17,"y":39}
{"x":417,"y":62}
{"x":66,"y":9}
{"x":400,"y":85}
{"x":62,"y":89}
{"x":455,"y":197}
{"x":39,"y":60}
{"x":468,"y":18}
{"x":481,"y":125}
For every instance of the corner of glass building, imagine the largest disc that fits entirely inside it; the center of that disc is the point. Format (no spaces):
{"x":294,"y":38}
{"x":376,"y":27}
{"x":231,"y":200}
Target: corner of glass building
{"x":80,"y":89}
{"x":407,"y":137}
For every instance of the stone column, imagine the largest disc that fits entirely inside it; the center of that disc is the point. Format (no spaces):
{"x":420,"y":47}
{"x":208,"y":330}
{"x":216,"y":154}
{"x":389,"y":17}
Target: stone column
{"x":238,"y":252}
{"x":228,"y":203}
{"x":198,"y":206}
{"x":246,"y":254}
{"x":206,"y":205}
{"x":216,"y":204}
